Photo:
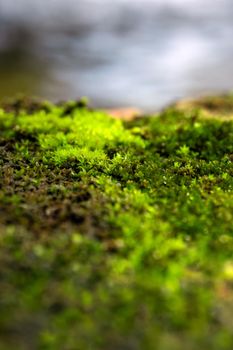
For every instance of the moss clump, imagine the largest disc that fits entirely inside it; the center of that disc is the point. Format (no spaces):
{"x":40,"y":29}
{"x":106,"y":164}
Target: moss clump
{"x":115,"y":235}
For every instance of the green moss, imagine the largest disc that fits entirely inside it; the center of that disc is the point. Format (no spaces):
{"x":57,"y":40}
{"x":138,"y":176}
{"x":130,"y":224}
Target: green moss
{"x":115,"y":235}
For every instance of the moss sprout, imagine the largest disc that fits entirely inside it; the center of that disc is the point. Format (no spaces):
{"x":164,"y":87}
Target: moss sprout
{"x":116,"y":235}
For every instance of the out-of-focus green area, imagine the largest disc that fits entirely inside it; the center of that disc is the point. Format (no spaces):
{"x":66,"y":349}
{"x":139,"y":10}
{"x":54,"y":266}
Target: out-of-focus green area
{"x":19,"y":74}
{"x":116,"y":235}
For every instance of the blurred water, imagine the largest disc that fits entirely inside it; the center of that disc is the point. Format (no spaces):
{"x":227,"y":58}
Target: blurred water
{"x":127,"y":52}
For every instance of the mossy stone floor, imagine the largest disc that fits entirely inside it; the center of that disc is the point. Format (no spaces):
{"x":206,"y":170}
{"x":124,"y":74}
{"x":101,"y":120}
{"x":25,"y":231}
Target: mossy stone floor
{"x":116,"y":235}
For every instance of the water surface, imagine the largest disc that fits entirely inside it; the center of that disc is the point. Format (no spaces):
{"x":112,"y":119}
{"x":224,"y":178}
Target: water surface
{"x":122,"y":53}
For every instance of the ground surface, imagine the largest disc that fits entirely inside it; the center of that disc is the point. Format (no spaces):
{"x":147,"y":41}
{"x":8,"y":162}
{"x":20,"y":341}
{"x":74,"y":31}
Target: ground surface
{"x":116,"y":235}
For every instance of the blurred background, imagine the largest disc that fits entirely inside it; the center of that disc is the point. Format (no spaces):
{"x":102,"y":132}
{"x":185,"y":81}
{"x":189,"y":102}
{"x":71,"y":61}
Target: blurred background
{"x":142,"y":53}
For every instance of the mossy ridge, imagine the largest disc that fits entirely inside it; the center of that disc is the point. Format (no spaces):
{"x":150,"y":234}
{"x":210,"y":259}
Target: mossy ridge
{"x":220,"y":106}
{"x":115,"y":235}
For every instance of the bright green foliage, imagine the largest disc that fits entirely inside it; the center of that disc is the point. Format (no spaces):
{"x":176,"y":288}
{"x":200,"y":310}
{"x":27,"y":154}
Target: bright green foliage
{"x":115,"y":235}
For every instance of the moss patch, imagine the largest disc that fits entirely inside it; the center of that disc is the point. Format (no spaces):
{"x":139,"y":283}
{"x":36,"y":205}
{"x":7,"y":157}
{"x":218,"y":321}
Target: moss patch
{"x":115,"y":235}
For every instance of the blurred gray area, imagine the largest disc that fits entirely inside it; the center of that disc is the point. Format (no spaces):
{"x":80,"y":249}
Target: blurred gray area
{"x":118,"y":53}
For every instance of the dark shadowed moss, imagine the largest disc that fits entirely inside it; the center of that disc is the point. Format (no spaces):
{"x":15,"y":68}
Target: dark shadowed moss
{"x":116,"y":235}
